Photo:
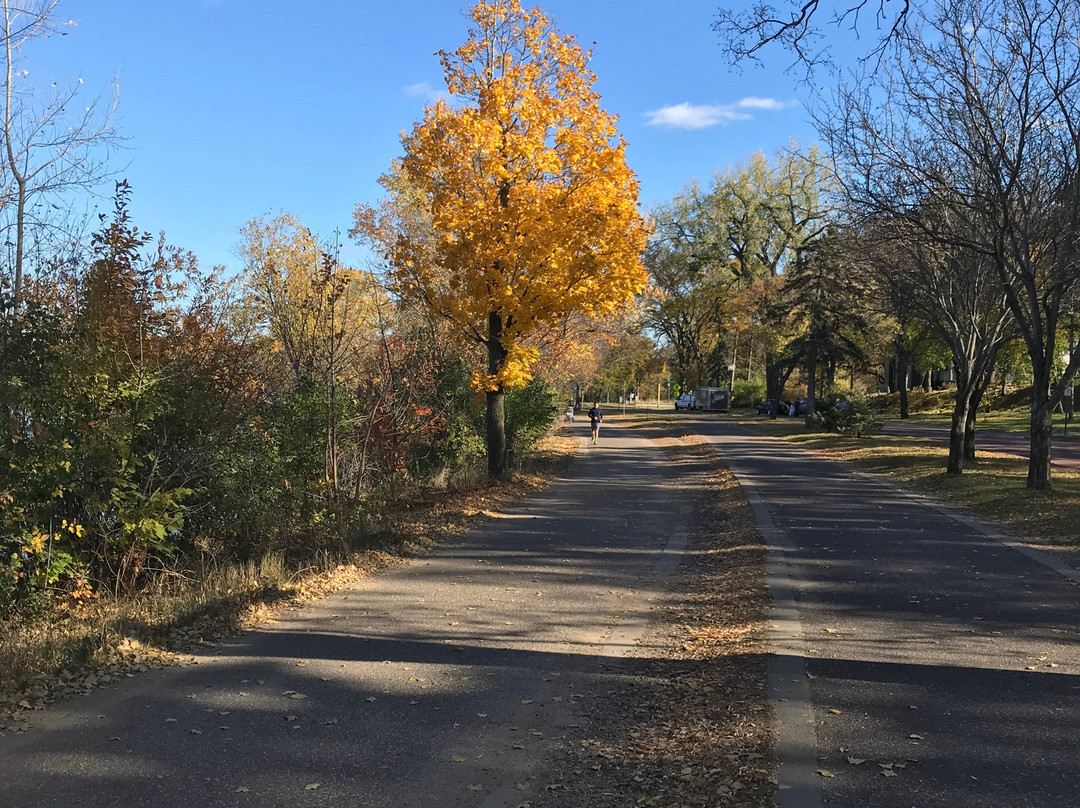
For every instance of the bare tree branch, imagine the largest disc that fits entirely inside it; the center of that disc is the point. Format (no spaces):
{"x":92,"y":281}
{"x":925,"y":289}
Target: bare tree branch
{"x":798,"y":27}
{"x":49,"y":151}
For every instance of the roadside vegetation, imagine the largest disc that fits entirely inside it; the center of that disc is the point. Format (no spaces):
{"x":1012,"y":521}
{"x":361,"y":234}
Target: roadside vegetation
{"x":63,"y":648}
{"x":181,"y":442}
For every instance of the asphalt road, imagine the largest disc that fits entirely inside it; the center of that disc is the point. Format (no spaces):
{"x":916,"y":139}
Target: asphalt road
{"x":943,"y":667}
{"x":1062,"y":452}
{"x":444,"y":683}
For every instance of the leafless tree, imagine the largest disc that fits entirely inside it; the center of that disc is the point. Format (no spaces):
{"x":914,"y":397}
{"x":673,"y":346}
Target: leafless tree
{"x":973,"y":138}
{"x":800,"y":26}
{"x":52,"y":143}
{"x":956,"y":291}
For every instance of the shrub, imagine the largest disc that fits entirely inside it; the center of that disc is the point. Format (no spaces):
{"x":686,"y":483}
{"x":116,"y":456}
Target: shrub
{"x":847,"y":413}
{"x":919,"y":400}
{"x":530,"y":412}
{"x":748,"y":393}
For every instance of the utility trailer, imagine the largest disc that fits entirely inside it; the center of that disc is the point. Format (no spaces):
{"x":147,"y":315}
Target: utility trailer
{"x":713,"y":399}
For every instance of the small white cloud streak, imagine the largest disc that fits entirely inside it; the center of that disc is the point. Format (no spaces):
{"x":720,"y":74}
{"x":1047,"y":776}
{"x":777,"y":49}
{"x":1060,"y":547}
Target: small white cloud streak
{"x":700,"y":116}
{"x":762,"y":103}
{"x":426,"y":91}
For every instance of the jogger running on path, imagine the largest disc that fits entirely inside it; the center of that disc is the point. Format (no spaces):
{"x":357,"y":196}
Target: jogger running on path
{"x":596,"y":415}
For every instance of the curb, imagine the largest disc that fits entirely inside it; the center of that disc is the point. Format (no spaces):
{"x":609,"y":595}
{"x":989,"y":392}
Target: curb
{"x":788,"y":682}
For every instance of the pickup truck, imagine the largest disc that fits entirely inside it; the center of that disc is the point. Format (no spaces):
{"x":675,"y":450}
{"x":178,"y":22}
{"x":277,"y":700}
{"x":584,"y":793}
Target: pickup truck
{"x":686,"y":401}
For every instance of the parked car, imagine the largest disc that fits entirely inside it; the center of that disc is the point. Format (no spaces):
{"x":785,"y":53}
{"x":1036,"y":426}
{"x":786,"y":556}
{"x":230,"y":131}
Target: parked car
{"x":765,"y":408}
{"x":800,"y":406}
{"x":687,"y":401}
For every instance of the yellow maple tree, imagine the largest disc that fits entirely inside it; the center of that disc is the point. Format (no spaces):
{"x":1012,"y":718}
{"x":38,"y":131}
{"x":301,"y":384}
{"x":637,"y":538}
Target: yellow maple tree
{"x":528,"y":207}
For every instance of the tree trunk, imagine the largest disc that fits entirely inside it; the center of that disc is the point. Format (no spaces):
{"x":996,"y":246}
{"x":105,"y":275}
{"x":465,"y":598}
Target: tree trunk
{"x":1039,"y":460}
{"x":495,"y":416}
{"x":977,"y":395}
{"x":20,"y":225}
{"x":903,"y":368}
{"x":956,"y":438}
{"x":969,"y":432}
{"x":774,"y":386}
{"x":961,"y":439}
{"x":811,"y":387}
{"x":1042,"y":425}
{"x":495,"y":421}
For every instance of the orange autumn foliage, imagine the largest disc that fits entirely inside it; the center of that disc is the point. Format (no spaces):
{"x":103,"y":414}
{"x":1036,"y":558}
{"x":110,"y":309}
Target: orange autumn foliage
{"x":513,"y":204}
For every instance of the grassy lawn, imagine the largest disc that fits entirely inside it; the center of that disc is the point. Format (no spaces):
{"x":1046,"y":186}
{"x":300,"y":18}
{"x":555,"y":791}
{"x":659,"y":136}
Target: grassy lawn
{"x":992,"y":488}
{"x":1014,"y":420}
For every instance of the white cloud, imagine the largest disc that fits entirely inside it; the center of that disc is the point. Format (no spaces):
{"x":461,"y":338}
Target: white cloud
{"x":425,"y":91}
{"x":762,"y":103}
{"x":691,"y":116}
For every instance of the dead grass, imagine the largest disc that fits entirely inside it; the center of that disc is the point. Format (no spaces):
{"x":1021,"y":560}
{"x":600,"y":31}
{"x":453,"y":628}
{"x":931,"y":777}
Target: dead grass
{"x":70,"y":651}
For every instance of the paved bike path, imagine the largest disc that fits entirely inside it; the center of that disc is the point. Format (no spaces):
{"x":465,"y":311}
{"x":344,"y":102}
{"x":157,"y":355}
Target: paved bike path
{"x":442,"y":683}
{"x":943,"y":667}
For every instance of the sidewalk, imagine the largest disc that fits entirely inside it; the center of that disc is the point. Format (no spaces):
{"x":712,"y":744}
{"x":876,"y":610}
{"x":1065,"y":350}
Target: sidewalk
{"x":939,"y":667}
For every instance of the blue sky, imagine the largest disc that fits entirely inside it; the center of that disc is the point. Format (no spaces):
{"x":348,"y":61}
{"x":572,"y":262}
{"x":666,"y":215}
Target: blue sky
{"x":234,"y":109}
